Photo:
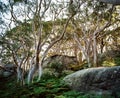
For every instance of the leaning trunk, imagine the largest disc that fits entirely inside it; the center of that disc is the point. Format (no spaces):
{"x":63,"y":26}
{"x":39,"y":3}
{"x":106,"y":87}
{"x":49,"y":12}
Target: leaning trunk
{"x":87,"y":57}
{"x":20,"y":75}
{"x":49,"y":47}
{"x":31,"y":73}
{"x":35,"y":66}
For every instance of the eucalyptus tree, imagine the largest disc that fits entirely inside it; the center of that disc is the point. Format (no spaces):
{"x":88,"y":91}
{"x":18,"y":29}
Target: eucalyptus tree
{"x":56,"y":10}
{"x":17,"y":42}
{"x":43,"y":35}
{"x":30,"y":35}
{"x":16,"y":45}
{"x":91,"y":19}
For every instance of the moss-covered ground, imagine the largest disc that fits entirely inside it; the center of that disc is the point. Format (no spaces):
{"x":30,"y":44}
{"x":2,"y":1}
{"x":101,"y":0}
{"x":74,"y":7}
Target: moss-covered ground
{"x":47,"y":87}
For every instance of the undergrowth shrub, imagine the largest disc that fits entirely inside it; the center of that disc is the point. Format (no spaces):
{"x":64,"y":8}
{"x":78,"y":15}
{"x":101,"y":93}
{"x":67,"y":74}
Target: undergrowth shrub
{"x":57,"y":66}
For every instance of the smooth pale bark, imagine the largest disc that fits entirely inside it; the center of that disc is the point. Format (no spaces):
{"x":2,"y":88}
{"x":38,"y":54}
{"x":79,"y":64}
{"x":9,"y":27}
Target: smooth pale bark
{"x":37,"y":64}
{"x":31,"y":73}
{"x":40,"y":72}
{"x":94,"y":51}
{"x":114,"y":2}
{"x":20,"y":75}
{"x":49,"y":47}
{"x":82,"y":49}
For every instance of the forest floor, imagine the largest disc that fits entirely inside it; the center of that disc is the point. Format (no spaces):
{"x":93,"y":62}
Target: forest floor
{"x":48,"y":87}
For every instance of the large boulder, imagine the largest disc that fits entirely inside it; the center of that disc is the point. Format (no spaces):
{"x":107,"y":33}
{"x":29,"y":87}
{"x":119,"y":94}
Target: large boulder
{"x":1,"y":72}
{"x":6,"y":74}
{"x":58,"y":65}
{"x":61,"y":61}
{"x":106,"y":79}
{"x":7,"y":70}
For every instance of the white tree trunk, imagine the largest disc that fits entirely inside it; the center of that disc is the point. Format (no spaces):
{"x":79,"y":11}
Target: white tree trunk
{"x":83,"y":50}
{"x":49,"y":47}
{"x":20,"y":76}
{"x":94,"y":51}
{"x":31,"y":73}
{"x":88,"y":60}
{"x":40,"y":72}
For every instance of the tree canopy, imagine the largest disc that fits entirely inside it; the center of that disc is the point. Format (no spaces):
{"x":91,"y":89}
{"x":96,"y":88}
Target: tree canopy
{"x":32,"y":30}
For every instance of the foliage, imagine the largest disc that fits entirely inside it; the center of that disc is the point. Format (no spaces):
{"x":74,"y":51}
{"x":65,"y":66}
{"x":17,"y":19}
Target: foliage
{"x":90,"y":17}
{"x":109,"y":58}
{"x":108,"y":63}
{"x":111,"y":62}
{"x":58,"y":66}
{"x":117,"y":61}
{"x":48,"y":87}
